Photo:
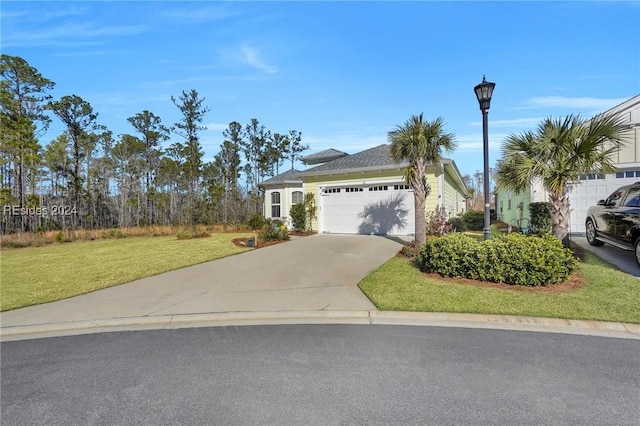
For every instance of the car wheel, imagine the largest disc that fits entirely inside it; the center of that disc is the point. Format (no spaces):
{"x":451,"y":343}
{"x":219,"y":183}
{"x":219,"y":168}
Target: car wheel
{"x":591,"y":234}
{"x":636,"y":246}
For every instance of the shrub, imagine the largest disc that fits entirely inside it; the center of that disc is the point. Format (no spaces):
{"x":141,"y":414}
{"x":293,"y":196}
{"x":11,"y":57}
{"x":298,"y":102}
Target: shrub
{"x":540,"y":217}
{"x":474,"y":220}
{"x":257,"y":222}
{"x":189,"y":235}
{"x":457,"y":224}
{"x":274,"y":230}
{"x":449,"y":256}
{"x":298,"y":215}
{"x":437,"y":222}
{"x":511,"y":259}
{"x":410,"y":250}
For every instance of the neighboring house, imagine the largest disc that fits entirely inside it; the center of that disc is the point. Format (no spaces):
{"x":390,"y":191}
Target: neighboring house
{"x":513,"y":209}
{"x":365,"y":193}
{"x":592,"y":186}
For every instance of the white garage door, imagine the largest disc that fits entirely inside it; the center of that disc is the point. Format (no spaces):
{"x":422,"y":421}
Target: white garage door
{"x":380,"y":209}
{"x":587,"y":194}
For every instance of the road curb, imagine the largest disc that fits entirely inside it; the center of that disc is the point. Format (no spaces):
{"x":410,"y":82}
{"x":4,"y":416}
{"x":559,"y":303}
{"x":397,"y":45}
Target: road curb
{"x":432,"y":319}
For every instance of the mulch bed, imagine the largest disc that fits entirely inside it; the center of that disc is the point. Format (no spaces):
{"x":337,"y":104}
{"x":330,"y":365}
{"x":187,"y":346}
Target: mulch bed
{"x":242,"y":242}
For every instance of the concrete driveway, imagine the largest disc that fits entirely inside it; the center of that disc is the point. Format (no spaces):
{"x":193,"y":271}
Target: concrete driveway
{"x":315,"y":273}
{"x":624,"y":260}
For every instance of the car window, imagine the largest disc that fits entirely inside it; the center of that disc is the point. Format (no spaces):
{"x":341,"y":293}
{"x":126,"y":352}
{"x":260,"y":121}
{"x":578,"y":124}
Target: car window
{"x":614,"y":199}
{"x":633,"y":198}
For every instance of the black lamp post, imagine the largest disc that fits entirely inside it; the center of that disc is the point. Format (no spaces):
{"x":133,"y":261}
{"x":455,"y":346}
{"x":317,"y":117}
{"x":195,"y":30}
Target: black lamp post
{"x":484,"y":91}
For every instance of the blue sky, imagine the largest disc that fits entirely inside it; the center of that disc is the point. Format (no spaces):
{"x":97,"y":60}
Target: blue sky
{"x":342,"y":73}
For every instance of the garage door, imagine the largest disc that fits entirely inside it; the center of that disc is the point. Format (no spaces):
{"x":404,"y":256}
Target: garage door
{"x":380,"y":209}
{"x":587,"y":194}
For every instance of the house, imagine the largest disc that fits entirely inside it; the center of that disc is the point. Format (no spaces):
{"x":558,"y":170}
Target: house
{"x":365,"y":193}
{"x":592,"y":186}
{"x":513,"y":208}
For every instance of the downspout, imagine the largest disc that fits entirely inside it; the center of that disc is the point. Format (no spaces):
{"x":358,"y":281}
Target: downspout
{"x":441,"y":184}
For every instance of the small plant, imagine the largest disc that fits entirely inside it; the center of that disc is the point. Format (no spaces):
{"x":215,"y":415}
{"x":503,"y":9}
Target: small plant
{"x":189,"y":235}
{"x":437,"y":222}
{"x":298,"y":216}
{"x":257,"y":222}
{"x":474,"y":220}
{"x":311,"y":209}
{"x":410,"y":250}
{"x":457,"y":224}
{"x":274,"y":230}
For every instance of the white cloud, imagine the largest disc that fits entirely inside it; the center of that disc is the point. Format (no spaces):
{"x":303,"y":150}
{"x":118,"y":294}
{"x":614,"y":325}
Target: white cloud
{"x":253,"y":57}
{"x":69,"y":35}
{"x":473,"y":142}
{"x":516,"y":122}
{"x":583,"y":103}
{"x":207,"y":14}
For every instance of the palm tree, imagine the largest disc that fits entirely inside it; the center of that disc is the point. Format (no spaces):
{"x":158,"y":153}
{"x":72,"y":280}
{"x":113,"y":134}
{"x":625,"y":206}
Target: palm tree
{"x":420,"y":143}
{"x":557,"y":153}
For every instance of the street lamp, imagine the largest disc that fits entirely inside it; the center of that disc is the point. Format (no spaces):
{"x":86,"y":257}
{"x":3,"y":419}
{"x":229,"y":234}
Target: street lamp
{"x":484,"y":91}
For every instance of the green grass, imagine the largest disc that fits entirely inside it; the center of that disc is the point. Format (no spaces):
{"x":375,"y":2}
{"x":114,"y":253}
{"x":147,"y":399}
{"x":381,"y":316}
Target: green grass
{"x":608,"y":295}
{"x":36,"y":275}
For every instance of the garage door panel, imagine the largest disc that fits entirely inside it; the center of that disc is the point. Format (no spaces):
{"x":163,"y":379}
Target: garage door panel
{"x":386,"y":214}
{"x":377,"y":211}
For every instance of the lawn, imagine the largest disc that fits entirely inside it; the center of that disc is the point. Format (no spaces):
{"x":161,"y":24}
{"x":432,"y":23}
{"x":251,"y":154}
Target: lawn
{"x":36,"y":275}
{"x":606,"y":295}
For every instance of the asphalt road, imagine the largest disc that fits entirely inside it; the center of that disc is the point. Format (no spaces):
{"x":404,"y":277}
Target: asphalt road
{"x":321,"y":375}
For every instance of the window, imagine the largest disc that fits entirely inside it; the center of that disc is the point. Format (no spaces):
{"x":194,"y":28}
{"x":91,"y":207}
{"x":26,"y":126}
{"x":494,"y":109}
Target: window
{"x":614,"y":199}
{"x":353,"y":190}
{"x":379,"y":188}
{"x":592,"y":176}
{"x":399,"y":187}
{"x":628,"y":174}
{"x":633,"y":198}
{"x":332,"y":190}
{"x":297,"y":198}
{"x":275,"y":204}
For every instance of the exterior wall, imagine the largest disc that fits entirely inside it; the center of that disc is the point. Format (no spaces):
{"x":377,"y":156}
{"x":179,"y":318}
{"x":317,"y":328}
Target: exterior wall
{"x":315,"y":184}
{"x":630,"y":113}
{"x":454,"y":199}
{"x":286,"y":195}
{"x":512,"y":208}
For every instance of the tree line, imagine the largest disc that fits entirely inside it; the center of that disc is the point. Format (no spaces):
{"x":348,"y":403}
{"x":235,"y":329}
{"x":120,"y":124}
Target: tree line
{"x":87,"y":177}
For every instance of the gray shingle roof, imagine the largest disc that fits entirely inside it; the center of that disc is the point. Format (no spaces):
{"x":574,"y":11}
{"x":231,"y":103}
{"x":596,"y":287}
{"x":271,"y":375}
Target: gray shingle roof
{"x":290,"y":176}
{"x":323,"y":156}
{"x":377,"y":157}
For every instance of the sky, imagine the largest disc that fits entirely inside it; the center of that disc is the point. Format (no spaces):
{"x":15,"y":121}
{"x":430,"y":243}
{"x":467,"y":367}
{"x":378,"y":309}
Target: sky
{"x":343,"y":74}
